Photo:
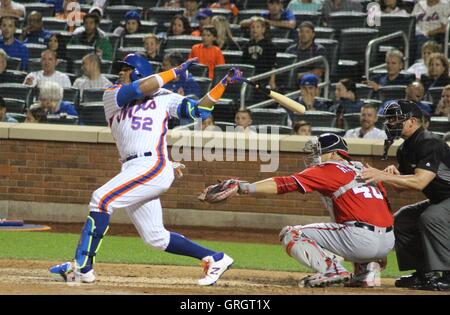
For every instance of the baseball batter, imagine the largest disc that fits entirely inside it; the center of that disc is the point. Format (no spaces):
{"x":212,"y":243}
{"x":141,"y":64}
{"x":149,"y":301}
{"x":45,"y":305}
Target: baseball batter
{"x":137,"y":110}
{"x":362,"y":229}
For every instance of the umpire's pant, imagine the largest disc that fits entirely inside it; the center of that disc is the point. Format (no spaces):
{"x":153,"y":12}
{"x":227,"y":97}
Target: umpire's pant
{"x":422,"y":236}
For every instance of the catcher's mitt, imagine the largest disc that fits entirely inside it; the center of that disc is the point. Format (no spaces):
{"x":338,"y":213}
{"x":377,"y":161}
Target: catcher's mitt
{"x":221,"y":191}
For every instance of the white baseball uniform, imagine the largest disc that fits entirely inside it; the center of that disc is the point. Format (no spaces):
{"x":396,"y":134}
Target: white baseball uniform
{"x":140,"y":134}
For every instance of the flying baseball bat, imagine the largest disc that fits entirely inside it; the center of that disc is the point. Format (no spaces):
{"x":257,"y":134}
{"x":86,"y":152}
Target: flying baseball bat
{"x":279,"y":98}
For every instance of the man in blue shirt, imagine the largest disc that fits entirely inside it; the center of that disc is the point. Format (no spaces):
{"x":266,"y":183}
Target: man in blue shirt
{"x":11,"y":45}
{"x":34,"y":32}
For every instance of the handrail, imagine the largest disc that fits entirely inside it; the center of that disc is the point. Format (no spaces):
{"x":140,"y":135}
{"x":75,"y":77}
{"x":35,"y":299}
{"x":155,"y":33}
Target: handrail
{"x":447,"y":34}
{"x":285,"y":69}
{"x":382,"y":39}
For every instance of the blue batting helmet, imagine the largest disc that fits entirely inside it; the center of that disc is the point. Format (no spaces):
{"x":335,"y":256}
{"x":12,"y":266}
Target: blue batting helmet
{"x":140,"y":65}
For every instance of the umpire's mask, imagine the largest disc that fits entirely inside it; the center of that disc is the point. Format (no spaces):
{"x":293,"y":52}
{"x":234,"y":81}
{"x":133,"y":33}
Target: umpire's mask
{"x":325,"y":143}
{"x":396,"y":113}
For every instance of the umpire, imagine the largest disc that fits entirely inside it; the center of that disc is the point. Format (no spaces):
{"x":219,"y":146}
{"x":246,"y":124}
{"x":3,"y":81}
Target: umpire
{"x":422,"y":230}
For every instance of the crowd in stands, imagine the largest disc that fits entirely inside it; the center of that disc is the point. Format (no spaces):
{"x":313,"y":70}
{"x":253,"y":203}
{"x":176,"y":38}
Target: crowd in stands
{"x":36,"y":53}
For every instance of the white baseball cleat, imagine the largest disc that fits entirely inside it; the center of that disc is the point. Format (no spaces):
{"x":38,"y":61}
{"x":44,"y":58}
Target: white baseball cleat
{"x":214,"y":269}
{"x":367,"y":277}
{"x":70,"y":274}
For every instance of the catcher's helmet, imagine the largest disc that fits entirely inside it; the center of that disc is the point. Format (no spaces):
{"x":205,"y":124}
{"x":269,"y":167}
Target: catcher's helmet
{"x":140,"y":65}
{"x":396,"y":113}
{"x":325,"y":143}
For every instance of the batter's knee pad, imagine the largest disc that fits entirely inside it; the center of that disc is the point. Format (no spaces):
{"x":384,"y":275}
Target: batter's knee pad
{"x":306,"y":251}
{"x":89,"y":243}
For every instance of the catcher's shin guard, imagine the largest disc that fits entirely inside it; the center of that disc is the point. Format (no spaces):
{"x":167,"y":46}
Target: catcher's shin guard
{"x":92,"y":233}
{"x":306,"y":251}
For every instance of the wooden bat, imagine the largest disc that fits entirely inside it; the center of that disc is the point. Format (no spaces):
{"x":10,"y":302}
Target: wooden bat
{"x":284,"y":101}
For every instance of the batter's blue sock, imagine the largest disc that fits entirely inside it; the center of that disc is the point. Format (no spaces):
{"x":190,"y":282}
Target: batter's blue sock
{"x":101,"y":220}
{"x":180,"y":245}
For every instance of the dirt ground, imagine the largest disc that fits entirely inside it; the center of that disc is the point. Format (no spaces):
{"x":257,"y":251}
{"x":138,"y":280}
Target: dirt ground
{"x":32,"y":277}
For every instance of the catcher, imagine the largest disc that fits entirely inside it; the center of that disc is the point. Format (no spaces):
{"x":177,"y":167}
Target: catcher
{"x":362,"y":229}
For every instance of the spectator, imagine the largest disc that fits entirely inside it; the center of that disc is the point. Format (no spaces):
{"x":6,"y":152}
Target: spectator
{"x":209,"y":124}
{"x":36,"y":114}
{"x":92,"y":78}
{"x":367,"y":120}
{"x":306,"y":48}
{"x":302,"y":128}
{"x":260,"y":51}
{"x":431,"y":19}
{"x":179,"y":25}
{"x":191,"y":10}
{"x":172,"y":4}
{"x":443,"y":108}
{"x":132,"y":24}
{"x":71,"y":15}
{"x":420,"y":67}
{"x":34,"y":32}
{"x":309,"y":89}
{"x":304,"y":5}
{"x":225,"y":39}
{"x":226,"y":4}
{"x":91,"y":37}
{"x":93,"y":10}
{"x":48,"y":72}
{"x":4,"y":117}
{"x":204,"y":17}
{"x":243,"y":121}
{"x":12,"y":46}
{"x":394,"y":64}
{"x":3,"y":65}
{"x":276,"y":16}
{"x":415,"y":92}
{"x":50,"y":98}
{"x":207,"y":52}
{"x":426,"y":120}
{"x":331,"y":6}
{"x":57,"y":44}
{"x":11,"y":8}
{"x":185,"y":84}
{"x":346,"y":101}
{"x":152,"y":46}
{"x":391,"y":7}
{"x":438,"y":75}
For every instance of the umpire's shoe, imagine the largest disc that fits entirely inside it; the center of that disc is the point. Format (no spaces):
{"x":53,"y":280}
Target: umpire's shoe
{"x":415,"y":280}
{"x":214,"y":266}
{"x":69,"y":274}
{"x":437,"y":283}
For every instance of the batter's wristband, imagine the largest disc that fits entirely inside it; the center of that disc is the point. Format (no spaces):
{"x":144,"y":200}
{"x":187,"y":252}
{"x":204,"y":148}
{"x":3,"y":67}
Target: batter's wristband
{"x":165,"y":77}
{"x":216,"y":93}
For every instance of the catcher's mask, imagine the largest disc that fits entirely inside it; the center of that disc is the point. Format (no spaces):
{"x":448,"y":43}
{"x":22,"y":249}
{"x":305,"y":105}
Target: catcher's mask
{"x":396,"y":113}
{"x":325,"y":143}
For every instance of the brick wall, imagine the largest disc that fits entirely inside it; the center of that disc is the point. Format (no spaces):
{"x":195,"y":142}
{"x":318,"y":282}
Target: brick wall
{"x":68,"y":172}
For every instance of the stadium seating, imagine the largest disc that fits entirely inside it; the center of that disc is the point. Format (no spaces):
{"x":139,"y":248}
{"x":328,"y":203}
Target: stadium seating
{"x":54,"y":24}
{"x":133,"y":40}
{"x":302,"y":16}
{"x":17,"y":91}
{"x":71,"y":95}
{"x":317,"y":131}
{"x":13,"y":63}
{"x":15,"y":76}
{"x":18,"y":116}
{"x":161,"y":15}
{"x":225,"y":110}
{"x":183,"y":51}
{"x":363,"y":90}
{"x":316,"y":118}
{"x":281,"y":44}
{"x":92,"y":95}
{"x":434,"y":95}
{"x":14,"y":105}
{"x":391,"y":92}
{"x":123,"y":51}
{"x":62,"y":119}
{"x":182,"y":41}
{"x":331,"y":53}
{"x":222,"y":12}
{"x":92,"y":114}
{"x":199,"y":70}
{"x":273,"y":129}
{"x":439,"y":124}
{"x":325,"y":32}
{"x":79,"y":51}
{"x":279,"y":32}
{"x":247,"y":14}
{"x":286,"y":80}
{"x":265,"y":116}
{"x":35,"y":50}
{"x":346,"y":19}
{"x":47,"y":10}
{"x":232,"y":56}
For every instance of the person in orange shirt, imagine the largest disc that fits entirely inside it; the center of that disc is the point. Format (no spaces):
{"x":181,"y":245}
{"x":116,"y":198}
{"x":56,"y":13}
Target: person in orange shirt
{"x":226,"y":4}
{"x":207,"y":52}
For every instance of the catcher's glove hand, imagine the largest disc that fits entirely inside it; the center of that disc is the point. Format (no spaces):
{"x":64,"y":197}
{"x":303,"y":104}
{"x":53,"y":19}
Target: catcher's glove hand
{"x":221,"y":191}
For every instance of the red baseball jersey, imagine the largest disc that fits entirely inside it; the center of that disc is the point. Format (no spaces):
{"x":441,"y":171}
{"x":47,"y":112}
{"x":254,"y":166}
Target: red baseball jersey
{"x":362,"y":203}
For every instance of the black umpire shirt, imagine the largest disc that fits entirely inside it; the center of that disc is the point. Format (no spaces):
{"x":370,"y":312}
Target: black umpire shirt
{"x":426,"y":151}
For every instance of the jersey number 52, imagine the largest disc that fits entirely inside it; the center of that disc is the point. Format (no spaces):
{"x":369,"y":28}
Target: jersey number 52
{"x":368,"y":192}
{"x":141,"y":123}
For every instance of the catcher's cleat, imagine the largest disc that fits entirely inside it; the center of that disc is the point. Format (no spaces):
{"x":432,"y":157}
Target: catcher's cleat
{"x":367,"y":277}
{"x":69,"y":274}
{"x":214,"y":269}
{"x":324,"y":279}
